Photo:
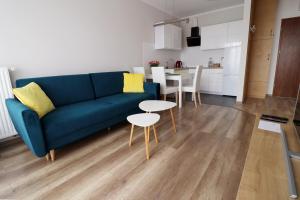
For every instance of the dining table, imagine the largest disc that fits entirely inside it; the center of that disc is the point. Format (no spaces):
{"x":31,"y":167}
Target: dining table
{"x":178,"y":76}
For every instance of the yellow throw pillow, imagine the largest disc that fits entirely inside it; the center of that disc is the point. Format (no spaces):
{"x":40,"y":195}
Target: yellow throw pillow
{"x":34,"y":98}
{"x":133,"y":83}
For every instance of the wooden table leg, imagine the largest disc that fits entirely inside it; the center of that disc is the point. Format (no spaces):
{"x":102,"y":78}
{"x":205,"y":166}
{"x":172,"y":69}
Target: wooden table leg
{"x":155,"y":134}
{"x":173,"y":120}
{"x":52,"y":154}
{"x":148,"y":133}
{"x":47,"y":157}
{"x":146,"y":143}
{"x":131,"y":134}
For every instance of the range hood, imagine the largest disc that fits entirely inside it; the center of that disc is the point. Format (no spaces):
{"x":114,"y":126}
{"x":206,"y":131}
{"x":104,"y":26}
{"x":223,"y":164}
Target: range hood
{"x":195,"y":39}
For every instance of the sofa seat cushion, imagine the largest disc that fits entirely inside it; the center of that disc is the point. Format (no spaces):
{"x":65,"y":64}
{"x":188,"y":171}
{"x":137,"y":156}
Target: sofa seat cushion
{"x":126,"y":101}
{"x":73,"y":117}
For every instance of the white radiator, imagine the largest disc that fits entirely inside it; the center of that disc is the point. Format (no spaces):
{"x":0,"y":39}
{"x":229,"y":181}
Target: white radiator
{"x":6,"y":127}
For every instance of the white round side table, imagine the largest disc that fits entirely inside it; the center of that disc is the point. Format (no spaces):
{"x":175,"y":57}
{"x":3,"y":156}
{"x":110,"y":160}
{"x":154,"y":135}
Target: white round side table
{"x":159,"y":105}
{"x":144,"y":120}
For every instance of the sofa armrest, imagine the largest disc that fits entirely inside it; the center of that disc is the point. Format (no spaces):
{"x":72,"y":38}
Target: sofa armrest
{"x":152,"y":88}
{"x":28,"y":126}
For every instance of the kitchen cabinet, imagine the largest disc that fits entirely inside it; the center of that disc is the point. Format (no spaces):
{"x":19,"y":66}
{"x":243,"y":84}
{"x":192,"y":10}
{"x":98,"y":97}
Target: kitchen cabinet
{"x":230,"y":83}
{"x":234,"y":33}
{"x":222,"y":35}
{"x":231,"y":71}
{"x":204,"y":86}
{"x":168,"y":36}
{"x":213,"y":37}
{"x":260,"y":48}
{"x":211,"y":81}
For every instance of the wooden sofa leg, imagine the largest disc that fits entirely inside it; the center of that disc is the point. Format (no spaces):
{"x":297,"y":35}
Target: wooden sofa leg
{"x":52,"y":154}
{"x":47,"y":157}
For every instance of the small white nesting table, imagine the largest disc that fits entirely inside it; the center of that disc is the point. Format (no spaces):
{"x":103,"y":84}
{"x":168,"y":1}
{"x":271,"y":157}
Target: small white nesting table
{"x":145,"y":120}
{"x":151,"y":106}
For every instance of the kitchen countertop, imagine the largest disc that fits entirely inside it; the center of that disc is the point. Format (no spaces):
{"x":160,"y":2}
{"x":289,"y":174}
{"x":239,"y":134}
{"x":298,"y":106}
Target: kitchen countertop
{"x":187,"y":68}
{"x":212,"y":68}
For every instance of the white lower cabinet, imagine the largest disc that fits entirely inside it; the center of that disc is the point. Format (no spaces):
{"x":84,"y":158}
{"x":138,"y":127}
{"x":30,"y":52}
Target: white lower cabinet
{"x":204,"y":86}
{"x":212,"y":81}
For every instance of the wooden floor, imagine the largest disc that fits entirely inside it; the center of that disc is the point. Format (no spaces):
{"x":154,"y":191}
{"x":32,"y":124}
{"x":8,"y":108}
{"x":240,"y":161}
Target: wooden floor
{"x":204,"y":160}
{"x":264,"y":176}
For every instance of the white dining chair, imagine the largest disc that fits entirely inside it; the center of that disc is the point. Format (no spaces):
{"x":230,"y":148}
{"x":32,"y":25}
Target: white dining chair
{"x":159,"y":76}
{"x":194,"y":88}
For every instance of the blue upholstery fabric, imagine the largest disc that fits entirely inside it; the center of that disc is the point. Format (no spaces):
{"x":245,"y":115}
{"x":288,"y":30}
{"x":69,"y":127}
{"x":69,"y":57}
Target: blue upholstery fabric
{"x":63,"y":90}
{"x":27,"y":124}
{"x":126,"y":101}
{"x":107,"y":83}
{"x":84,"y":132}
{"x":84,"y":104}
{"x":69,"y":118}
{"x":153,"y":89}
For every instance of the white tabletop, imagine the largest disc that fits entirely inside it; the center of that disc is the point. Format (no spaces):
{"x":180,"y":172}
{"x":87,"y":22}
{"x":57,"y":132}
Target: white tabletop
{"x":173,"y":76}
{"x":156,"y":105}
{"x":143,"y":119}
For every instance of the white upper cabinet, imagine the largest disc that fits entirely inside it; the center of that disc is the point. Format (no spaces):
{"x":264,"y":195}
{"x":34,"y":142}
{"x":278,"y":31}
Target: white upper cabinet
{"x":168,"y":37}
{"x":213,"y":37}
{"x":234,"y":33}
{"x":221,"y":35}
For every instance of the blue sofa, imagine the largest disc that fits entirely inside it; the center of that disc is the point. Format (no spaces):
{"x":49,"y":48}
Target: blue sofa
{"x":85,"y":104}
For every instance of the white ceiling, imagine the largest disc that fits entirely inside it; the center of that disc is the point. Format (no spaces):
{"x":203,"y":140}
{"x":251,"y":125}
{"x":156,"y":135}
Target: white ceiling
{"x":183,"y":8}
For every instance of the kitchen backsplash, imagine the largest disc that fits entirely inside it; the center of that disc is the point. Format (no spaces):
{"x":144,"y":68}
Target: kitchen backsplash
{"x":195,"y":56}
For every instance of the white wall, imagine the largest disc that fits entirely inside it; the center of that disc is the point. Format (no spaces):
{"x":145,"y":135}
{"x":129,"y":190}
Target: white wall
{"x":53,"y":37}
{"x":166,"y":58}
{"x":286,"y":9}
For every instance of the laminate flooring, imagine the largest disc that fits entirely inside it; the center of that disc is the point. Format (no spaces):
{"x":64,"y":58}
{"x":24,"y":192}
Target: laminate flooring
{"x":203,"y":160}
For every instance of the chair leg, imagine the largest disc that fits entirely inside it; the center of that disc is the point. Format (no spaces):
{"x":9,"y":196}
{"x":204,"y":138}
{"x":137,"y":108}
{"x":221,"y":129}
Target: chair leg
{"x":195,"y":99}
{"x":131,"y":135}
{"x":155,"y":134}
{"x":199,"y":99}
{"x":52,"y":154}
{"x":176,"y":98}
{"x":165,"y":97}
{"x":146,"y":143}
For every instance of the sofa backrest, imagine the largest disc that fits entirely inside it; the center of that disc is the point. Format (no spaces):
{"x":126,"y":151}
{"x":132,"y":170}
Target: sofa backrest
{"x":107,"y":83}
{"x":63,"y":90}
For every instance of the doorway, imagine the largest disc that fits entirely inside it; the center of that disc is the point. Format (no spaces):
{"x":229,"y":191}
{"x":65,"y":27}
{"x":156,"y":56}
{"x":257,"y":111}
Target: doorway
{"x":287,"y":77}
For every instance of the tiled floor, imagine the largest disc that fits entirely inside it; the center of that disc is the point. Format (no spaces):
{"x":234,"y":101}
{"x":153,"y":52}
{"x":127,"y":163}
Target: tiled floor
{"x":218,"y":100}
